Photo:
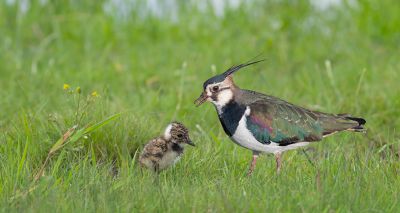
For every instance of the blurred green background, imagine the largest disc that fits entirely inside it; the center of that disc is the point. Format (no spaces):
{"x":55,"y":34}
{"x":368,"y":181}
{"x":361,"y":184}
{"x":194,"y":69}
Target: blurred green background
{"x":149,"y":59}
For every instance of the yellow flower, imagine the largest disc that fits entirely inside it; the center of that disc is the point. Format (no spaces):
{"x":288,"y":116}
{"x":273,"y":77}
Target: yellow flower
{"x":94,"y":94}
{"x":66,"y":86}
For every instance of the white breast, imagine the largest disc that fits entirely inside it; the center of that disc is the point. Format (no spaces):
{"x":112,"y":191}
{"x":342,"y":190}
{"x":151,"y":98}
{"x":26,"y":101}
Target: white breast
{"x":169,"y":158}
{"x":244,"y":138}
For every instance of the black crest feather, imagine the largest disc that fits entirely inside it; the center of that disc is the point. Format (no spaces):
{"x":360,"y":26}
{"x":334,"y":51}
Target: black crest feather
{"x":235,"y":68}
{"x":230,"y":71}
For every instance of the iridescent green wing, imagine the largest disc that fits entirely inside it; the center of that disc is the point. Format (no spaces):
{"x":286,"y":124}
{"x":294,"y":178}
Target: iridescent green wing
{"x":273,"y":120}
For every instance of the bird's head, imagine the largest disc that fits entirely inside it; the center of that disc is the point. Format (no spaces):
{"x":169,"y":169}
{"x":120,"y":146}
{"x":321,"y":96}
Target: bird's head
{"x":178,"y":133}
{"x":219,"y":89}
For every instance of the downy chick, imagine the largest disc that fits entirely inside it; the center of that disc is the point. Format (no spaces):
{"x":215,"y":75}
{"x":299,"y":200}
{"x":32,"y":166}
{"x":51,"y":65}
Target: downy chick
{"x":164,"y":151}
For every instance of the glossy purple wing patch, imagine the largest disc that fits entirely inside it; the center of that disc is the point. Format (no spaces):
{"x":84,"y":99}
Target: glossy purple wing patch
{"x":261,"y":129}
{"x":262,"y":124}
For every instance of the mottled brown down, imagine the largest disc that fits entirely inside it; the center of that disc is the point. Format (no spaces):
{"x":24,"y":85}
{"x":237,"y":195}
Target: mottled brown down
{"x":165,"y":150}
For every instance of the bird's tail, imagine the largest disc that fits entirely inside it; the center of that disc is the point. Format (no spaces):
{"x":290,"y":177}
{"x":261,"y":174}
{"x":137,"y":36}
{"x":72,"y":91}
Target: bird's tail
{"x":342,"y":122}
{"x":360,"y":127}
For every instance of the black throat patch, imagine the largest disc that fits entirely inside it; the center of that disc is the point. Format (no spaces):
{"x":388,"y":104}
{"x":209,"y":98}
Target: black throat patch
{"x":230,"y":116}
{"x":177,"y":148}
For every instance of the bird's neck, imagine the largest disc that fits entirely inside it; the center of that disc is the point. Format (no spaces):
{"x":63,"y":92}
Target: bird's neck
{"x":230,"y":115}
{"x":224,"y":98}
{"x":177,"y":147}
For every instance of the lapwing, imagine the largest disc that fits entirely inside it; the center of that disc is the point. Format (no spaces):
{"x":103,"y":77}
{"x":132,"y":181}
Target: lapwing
{"x":267,"y":124}
{"x":165,"y":150}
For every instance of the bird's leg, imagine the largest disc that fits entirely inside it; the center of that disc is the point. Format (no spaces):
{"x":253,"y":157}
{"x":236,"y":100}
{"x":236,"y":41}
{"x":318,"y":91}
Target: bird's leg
{"x":278,"y":159}
{"x":253,"y":163}
{"x":156,"y":167}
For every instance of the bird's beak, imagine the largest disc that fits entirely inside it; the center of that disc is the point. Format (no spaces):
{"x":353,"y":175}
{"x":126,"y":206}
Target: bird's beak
{"x":190,"y":142}
{"x":203,"y":97}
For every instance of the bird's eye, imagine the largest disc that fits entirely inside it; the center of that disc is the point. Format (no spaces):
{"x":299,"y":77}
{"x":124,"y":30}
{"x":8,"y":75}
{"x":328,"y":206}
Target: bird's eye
{"x":215,"y":88}
{"x":179,"y":135}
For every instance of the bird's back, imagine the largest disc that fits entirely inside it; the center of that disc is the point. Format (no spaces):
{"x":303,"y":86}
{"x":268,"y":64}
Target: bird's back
{"x":152,"y":153}
{"x":295,"y":123}
{"x":159,"y":154}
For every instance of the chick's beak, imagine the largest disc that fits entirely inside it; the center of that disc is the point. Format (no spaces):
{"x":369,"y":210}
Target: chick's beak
{"x":203,"y":97}
{"x":190,"y":142}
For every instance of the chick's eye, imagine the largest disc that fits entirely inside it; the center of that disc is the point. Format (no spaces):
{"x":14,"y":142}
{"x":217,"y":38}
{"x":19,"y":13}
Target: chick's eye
{"x":215,"y":88}
{"x":179,"y":135}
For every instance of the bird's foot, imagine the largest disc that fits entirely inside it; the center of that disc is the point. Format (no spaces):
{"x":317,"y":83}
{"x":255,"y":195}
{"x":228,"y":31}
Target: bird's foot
{"x":249,"y":173}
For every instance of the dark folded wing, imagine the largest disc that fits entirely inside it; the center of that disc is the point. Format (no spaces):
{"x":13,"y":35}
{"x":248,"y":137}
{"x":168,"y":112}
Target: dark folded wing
{"x":283,"y":123}
{"x":274,"y":120}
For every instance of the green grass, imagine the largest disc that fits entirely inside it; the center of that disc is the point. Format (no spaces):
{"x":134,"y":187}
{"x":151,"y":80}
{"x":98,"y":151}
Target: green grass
{"x":344,"y":59}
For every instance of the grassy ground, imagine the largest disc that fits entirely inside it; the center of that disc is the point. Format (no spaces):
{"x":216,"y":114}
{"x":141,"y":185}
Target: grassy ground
{"x":344,"y":59}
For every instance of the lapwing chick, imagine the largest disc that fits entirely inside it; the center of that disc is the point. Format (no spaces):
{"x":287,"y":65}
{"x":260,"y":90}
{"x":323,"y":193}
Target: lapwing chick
{"x":166,"y":150}
{"x":266,"y":124}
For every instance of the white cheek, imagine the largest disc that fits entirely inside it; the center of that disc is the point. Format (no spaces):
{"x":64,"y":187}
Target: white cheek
{"x":224,"y":97}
